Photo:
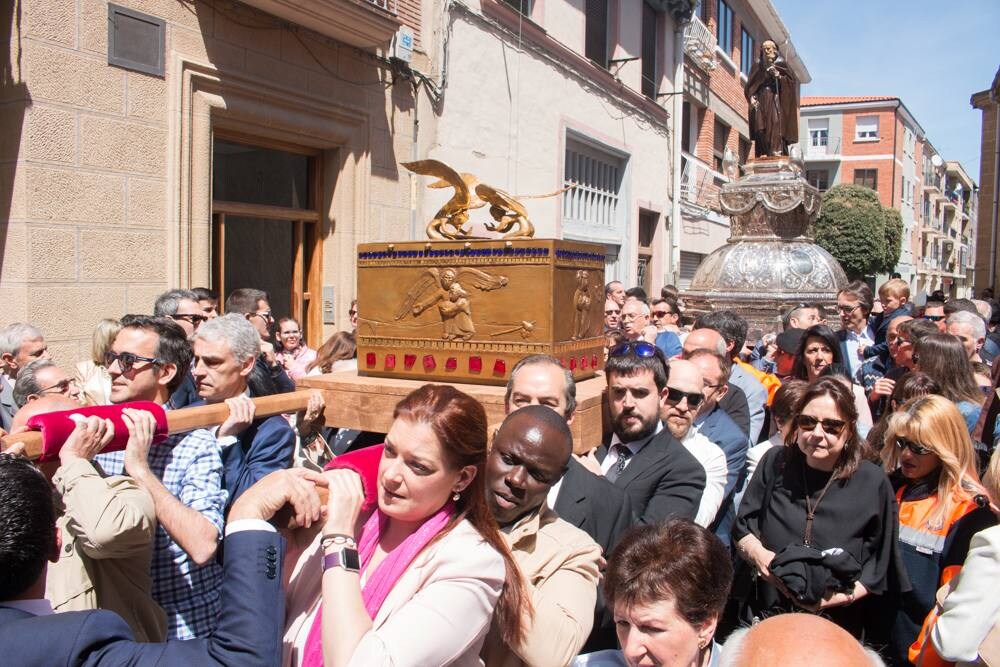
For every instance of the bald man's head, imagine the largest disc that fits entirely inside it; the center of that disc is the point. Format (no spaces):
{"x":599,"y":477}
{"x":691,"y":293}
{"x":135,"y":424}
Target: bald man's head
{"x":705,"y":339}
{"x":796,"y":639}
{"x":530,"y":453}
{"x":42,"y":405}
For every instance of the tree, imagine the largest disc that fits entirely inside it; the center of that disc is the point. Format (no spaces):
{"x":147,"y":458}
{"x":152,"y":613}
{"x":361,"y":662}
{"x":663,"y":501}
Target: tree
{"x":858,"y":231}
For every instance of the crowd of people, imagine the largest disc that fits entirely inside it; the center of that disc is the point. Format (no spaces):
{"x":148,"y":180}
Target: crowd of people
{"x":822,"y":494}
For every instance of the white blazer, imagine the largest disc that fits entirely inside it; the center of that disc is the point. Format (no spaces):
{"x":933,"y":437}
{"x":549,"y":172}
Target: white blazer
{"x":973,"y":607}
{"x":437,"y":614}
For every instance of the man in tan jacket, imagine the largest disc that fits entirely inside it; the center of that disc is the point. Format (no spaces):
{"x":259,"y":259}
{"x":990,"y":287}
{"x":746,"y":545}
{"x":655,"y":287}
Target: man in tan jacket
{"x":106,"y":531}
{"x":559,"y":562}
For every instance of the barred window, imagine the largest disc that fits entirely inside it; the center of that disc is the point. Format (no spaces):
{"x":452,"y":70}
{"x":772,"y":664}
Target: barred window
{"x":597,"y":177}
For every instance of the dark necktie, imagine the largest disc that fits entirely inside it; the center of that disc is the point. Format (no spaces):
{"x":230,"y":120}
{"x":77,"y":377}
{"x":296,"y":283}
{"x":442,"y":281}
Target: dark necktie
{"x":624,"y":453}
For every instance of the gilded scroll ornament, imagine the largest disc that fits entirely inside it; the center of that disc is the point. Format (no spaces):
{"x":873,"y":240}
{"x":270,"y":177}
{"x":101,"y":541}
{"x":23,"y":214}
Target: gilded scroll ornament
{"x":510,"y":217}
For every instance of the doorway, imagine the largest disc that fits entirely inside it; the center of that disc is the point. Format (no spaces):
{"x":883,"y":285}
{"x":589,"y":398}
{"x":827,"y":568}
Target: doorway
{"x":266,"y":226}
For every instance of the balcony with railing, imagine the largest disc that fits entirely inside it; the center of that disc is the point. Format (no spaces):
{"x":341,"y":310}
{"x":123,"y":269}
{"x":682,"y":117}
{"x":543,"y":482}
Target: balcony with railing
{"x":821,"y":148}
{"x":699,"y":187}
{"x":699,"y":45}
{"x":360,"y":23}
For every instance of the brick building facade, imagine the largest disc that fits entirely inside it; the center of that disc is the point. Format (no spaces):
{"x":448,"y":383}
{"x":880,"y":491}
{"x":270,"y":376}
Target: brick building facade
{"x":876,"y":142}
{"x":721,"y":43}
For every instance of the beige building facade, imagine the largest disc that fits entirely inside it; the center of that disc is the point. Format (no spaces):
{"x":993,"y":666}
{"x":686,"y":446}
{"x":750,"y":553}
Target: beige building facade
{"x":153,"y":144}
{"x":987,"y":256}
{"x":263,"y":149}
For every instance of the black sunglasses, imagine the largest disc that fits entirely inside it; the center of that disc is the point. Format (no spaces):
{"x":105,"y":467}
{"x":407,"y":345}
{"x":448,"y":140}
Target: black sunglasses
{"x":919,"y":450}
{"x":933,"y":318}
{"x":675,"y":396}
{"x":126,"y":360}
{"x":830,"y":426}
{"x":191,"y":318}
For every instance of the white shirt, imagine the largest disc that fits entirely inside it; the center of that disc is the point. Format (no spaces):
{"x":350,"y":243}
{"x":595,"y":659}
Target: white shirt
{"x":713,"y":460}
{"x":38,"y":607}
{"x":853,"y":341}
{"x":612,"y":457}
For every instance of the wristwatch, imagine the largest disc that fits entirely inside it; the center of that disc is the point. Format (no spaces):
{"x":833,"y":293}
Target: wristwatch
{"x":344,"y":557}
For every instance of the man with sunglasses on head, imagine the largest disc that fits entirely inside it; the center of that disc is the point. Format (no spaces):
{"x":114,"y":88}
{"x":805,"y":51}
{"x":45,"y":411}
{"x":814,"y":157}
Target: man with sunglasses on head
{"x":269,"y":375}
{"x":661,"y":478}
{"x":183,"y":307}
{"x":183,"y":474}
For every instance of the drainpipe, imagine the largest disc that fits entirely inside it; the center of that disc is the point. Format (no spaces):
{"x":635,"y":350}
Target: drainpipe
{"x":996,"y":198}
{"x":675,"y":204}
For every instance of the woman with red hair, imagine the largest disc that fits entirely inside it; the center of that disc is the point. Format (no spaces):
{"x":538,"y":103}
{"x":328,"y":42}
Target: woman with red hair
{"x":416,"y":578}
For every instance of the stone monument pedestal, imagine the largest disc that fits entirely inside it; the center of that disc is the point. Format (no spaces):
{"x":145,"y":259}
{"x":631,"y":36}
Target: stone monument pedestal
{"x":769,"y":263}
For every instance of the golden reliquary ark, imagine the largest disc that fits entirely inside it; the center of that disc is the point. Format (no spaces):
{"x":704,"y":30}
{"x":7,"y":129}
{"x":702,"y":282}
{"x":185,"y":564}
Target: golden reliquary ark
{"x":468,"y":310}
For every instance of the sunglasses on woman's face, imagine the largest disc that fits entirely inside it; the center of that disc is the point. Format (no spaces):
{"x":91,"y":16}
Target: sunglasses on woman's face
{"x":919,"y":450}
{"x":830,"y":426}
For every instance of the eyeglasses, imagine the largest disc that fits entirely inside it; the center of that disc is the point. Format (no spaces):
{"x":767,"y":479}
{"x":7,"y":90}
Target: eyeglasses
{"x":661,"y":313}
{"x":612,"y":312}
{"x":933,"y":318}
{"x":830,"y":426}
{"x":847,"y":310}
{"x":60,"y":387}
{"x":191,"y":318}
{"x":675,"y":396}
{"x":266,"y":316}
{"x":919,"y":450}
{"x":633,"y":316}
{"x":641,"y":349}
{"x":126,"y":360}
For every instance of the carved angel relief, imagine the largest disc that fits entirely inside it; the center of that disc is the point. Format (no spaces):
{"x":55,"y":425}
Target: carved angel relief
{"x":442,"y":288}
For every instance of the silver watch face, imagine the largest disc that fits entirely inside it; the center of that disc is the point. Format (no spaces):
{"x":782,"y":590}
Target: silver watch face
{"x":346,"y":558}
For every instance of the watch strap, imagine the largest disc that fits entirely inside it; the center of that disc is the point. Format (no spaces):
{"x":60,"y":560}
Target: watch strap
{"x":345,"y":557}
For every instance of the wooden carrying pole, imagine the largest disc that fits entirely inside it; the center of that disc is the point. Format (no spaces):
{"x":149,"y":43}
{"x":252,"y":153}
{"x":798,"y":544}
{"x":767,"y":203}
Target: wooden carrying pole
{"x":187,"y":419}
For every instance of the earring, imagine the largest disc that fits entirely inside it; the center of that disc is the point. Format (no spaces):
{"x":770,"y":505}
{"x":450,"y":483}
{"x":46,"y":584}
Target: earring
{"x":456,"y":496}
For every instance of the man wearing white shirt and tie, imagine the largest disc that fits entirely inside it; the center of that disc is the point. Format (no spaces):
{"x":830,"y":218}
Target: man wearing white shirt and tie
{"x":661,"y":478}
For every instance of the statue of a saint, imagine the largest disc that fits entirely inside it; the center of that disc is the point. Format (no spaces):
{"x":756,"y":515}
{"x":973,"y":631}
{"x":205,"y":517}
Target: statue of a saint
{"x":773,"y":94}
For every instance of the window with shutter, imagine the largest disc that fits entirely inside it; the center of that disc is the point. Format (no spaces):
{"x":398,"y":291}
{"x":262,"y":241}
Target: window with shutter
{"x":596,"y":46}
{"x":649,"y":78}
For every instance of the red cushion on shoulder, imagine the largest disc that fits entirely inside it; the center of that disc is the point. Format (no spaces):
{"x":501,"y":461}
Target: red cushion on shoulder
{"x":57,"y":426}
{"x":365,"y":462}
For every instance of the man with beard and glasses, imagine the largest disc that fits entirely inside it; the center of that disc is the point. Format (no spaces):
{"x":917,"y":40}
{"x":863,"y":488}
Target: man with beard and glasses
{"x":661,"y":478}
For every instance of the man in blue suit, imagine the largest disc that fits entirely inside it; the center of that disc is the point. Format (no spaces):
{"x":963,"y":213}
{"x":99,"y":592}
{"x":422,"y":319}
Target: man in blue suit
{"x":225,"y":350}
{"x":713,"y":423}
{"x":248,"y":630}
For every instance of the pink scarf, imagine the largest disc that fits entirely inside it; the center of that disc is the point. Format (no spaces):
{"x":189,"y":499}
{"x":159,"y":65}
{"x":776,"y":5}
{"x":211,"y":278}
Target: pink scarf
{"x":381,"y":581}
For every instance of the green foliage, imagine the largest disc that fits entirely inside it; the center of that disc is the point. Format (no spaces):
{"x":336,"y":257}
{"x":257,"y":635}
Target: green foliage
{"x":854,"y":227}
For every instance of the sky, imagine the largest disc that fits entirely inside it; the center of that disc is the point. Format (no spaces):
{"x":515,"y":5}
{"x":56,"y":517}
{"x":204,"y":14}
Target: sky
{"x":933,"y":55}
